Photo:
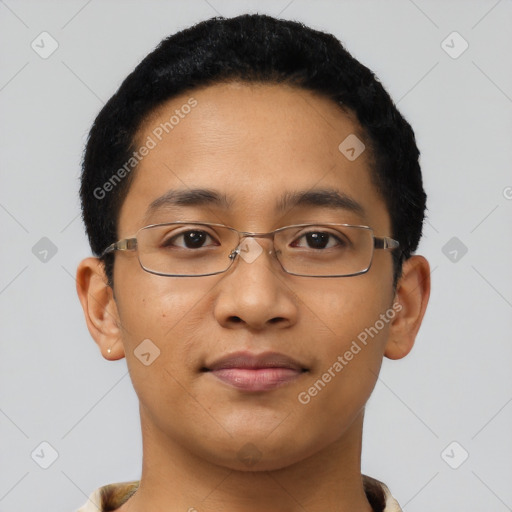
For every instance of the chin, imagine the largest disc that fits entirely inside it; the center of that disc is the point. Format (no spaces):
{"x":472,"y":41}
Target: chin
{"x":256,"y":453}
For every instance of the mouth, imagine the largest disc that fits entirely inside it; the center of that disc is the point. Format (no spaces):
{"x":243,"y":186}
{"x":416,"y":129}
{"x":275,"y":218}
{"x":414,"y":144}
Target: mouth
{"x":255,"y":372}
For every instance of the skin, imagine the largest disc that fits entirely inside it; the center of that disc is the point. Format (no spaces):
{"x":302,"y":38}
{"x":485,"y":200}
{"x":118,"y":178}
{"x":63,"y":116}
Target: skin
{"x":252,"y":142}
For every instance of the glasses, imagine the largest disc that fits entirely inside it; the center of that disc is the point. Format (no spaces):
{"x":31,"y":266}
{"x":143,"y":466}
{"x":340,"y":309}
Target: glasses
{"x":188,"y":249}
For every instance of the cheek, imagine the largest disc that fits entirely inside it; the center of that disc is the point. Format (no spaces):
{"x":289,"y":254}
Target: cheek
{"x":155,"y":306}
{"x":344,"y":307}
{"x":349,"y":339}
{"x":170,"y":313}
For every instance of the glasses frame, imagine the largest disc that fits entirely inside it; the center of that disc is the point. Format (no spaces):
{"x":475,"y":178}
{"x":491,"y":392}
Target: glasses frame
{"x":131,"y":244}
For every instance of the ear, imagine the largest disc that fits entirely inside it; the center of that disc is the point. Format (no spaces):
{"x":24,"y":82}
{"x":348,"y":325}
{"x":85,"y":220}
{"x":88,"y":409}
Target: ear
{"x":412,"y":294}
{"x":100,"y":309}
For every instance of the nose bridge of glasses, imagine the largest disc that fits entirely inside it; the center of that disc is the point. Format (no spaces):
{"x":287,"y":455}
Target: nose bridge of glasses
{"x":244,"y":235}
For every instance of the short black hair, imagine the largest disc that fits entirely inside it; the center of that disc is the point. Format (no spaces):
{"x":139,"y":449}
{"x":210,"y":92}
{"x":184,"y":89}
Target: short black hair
{"x":251,"y":48}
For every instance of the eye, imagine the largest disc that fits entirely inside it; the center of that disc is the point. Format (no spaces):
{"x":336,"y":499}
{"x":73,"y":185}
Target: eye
{"x":321,"y":240}
{"x":190,"y":239}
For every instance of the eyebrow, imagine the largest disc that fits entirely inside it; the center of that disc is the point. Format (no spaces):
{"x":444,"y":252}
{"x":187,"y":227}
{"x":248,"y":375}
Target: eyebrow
{"x":321,"y":198}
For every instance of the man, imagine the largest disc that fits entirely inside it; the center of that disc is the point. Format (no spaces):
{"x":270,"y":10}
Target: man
{"x":254,"y":200}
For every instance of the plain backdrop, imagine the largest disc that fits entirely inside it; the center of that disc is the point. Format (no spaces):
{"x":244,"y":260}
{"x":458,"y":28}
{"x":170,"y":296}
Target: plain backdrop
{"x":438,"y":423}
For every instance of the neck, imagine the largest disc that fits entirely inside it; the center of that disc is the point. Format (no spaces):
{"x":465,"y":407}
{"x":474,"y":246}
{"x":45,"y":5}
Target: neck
{"x":174,"y":479}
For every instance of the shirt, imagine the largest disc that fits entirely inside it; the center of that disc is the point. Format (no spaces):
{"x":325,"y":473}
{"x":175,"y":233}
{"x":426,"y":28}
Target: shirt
{"x":112,"y":496}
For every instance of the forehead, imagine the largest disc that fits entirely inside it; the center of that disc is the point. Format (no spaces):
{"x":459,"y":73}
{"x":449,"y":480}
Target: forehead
{"x":254,"y":146}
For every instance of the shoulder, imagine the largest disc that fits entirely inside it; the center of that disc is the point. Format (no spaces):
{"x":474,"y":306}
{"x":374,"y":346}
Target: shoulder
{"x":110,"y":497}
{"x":379,"y":495}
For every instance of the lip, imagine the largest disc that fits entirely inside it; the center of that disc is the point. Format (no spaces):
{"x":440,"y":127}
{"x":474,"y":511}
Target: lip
{"x":255,"y":372}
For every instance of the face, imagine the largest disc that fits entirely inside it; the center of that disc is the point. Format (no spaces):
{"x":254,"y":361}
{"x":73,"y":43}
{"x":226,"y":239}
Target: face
{"x":252,"y":144}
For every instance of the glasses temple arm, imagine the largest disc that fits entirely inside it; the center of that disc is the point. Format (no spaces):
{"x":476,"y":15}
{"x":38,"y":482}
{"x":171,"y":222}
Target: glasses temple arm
{"x":127,"y":244}
{"x":385,"y":242}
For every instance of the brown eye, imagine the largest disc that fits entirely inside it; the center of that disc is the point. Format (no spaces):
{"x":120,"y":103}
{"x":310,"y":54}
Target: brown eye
{"x":320,"y":240}
{"x":192,"y":239}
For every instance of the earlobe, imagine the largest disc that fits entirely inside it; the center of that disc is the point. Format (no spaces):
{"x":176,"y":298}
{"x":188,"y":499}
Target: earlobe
{"x":412,"y":294}
{"x":100,"y":309}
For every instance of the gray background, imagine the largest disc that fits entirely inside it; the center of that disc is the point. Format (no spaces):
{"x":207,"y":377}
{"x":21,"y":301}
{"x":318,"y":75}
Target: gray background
{"x":454,"y":386}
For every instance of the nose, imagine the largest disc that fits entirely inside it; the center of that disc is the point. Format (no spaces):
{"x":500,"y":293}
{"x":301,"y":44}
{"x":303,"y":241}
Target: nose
{"x":253,"y":293}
